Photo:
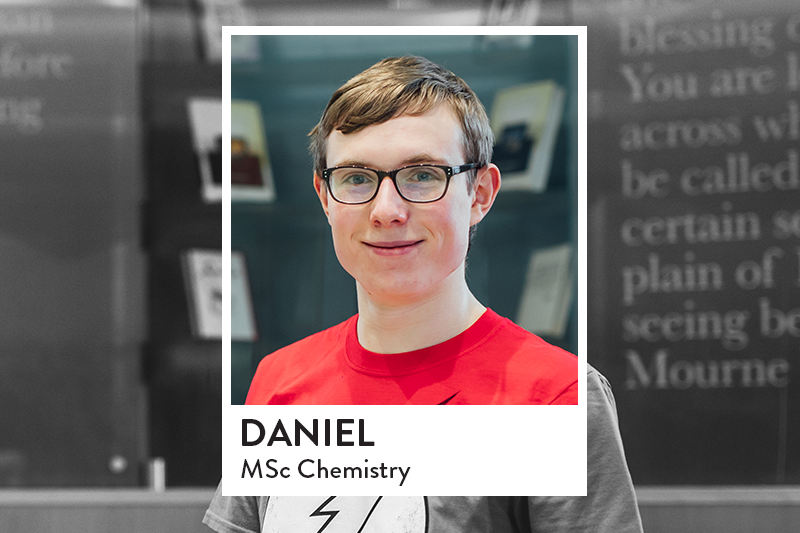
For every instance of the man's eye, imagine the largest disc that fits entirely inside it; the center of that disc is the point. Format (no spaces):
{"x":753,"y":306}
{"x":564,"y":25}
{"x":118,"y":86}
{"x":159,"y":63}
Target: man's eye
{"x":424,"y":176}
{"x":357,"y":179}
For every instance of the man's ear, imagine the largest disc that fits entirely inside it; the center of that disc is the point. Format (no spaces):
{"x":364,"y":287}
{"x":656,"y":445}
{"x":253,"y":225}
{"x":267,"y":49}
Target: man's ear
{"x":485,"y":188}
{"x":322,"y":192}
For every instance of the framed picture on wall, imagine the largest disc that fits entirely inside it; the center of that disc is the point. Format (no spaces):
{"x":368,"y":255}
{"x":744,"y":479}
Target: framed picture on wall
{"x":251,"y":173}
{"x":205,"y":119}
{"x":547,"y":294}
{"x":525,"y":119}
{"x":203,"y":281}
{"x":243,"y":323}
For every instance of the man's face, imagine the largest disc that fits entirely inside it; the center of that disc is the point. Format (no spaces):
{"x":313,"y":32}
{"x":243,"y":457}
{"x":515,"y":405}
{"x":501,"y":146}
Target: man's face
{"x":401,"y":252}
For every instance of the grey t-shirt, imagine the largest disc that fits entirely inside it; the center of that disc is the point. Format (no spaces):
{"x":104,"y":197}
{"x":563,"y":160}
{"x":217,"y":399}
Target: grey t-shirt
{"x":610,"y":504}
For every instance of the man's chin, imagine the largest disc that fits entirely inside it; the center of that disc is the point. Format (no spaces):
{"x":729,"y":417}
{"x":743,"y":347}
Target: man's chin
{"x":392,"y":292}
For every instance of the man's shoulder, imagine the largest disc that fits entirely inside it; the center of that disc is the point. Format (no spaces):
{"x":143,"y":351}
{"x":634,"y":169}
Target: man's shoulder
{"x":533,"y":348}
{"x":294,"y":362}
{"x":547,"y":372}
{"x":332,"y":337}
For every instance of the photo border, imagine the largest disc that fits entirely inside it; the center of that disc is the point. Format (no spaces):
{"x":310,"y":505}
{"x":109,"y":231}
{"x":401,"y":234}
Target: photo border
{"x":464,"y":450}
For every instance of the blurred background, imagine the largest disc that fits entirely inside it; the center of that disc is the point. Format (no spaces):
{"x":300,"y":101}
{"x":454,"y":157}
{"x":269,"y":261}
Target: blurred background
{"x":110,"y":380}
{"x":297,"y":285}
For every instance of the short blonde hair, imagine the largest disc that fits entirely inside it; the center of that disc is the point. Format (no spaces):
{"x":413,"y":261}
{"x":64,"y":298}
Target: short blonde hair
{"x":398,"y":86}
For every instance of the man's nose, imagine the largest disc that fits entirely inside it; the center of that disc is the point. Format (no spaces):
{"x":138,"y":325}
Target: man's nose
{"x":388,"y":207}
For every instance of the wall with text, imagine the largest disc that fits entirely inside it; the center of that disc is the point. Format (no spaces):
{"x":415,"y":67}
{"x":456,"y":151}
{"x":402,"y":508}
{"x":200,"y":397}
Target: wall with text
{"x":694,"y":234}
{"x":72,"y":272}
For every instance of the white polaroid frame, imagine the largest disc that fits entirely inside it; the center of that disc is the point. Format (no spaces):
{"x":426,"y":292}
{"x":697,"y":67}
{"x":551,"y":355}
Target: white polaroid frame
{"x":480,"y":450}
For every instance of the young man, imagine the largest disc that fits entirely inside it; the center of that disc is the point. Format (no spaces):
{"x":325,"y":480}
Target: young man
{"x":402,"y":170}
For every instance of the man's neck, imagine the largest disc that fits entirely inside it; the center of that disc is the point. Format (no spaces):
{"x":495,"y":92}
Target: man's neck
{"x":411,"y":324}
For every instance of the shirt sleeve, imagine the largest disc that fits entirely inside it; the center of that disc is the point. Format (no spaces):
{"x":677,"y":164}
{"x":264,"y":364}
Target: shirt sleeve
{"x":610,"y":504}
{"x":235,"y":514}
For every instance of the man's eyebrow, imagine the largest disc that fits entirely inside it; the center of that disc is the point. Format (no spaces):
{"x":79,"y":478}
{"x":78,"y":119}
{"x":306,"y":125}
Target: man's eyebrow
{"x":352,"y":163}
{"x":423,"y":158}
{"x":413,"y":160}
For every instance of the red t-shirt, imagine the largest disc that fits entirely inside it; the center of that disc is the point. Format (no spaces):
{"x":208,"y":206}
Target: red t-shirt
{"x":493,"y":362}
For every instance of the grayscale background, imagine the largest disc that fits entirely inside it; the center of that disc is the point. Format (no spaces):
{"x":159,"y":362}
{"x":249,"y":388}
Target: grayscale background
{"x":693,"y":256}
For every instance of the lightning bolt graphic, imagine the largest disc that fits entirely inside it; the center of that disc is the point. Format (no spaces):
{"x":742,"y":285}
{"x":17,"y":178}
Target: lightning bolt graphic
{"x":330,"y":514}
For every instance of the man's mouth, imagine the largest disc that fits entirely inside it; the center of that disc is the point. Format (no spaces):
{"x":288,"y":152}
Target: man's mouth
{"x":389,"y":246}
{"x":392,"y":244}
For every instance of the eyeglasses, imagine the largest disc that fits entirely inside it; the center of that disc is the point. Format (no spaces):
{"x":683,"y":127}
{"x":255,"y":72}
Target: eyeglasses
{"x":415,"y":183}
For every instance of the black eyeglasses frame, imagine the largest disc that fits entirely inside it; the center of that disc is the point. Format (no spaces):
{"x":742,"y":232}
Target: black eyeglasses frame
{"x":450,"y":171}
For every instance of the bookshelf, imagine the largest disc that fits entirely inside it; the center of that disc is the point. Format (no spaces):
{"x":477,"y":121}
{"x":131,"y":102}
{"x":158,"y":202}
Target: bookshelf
{"x":183,"y":373}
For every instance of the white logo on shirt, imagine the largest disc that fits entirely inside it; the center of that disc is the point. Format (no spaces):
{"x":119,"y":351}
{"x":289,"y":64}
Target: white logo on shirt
{"x":345,"y":514}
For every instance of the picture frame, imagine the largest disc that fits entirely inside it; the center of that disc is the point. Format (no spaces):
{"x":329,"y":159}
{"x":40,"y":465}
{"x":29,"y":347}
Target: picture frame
{"x":251,"y":172}
{"x":203,"y":282}
{"x":205,"y":119}
{"x":243,"y":323}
